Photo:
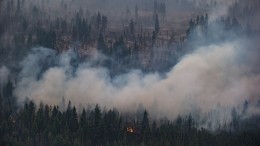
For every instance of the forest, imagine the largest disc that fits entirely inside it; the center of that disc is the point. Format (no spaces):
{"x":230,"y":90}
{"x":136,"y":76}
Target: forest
{"x":129,"y":72}
{"x":47,"y":125}
{"x":139,"y":39}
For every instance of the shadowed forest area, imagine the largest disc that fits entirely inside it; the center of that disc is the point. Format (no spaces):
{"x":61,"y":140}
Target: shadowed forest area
{"x":47,"y":125}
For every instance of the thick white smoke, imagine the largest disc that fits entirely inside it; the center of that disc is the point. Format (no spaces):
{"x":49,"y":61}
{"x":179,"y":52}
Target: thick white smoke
{"x":216,"y":76}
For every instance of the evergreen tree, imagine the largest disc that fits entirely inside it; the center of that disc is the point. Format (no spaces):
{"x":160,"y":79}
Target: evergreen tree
{"x":136,"y":13}
{"x":98,"y":20}
{"x":132,"y":26}
{"x":104,"y":23}
{"x":101,"y":45}
{"x":145,"y":129}
{"x":156,"y":25}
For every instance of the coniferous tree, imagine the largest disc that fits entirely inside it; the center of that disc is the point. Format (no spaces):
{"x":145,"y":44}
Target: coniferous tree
{"x":101,"y":44}
{"x":132,"y":26}
{"x":136,"y":13}
{"x":145,"y":129}
{"x":156,"y":25}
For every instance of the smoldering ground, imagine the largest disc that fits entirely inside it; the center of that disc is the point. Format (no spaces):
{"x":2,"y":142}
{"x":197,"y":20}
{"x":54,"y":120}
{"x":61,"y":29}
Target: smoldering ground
{"x":212,"y":78}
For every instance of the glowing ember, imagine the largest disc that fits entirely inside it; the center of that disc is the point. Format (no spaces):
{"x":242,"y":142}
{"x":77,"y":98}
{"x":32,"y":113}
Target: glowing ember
{"x":130,"y":129}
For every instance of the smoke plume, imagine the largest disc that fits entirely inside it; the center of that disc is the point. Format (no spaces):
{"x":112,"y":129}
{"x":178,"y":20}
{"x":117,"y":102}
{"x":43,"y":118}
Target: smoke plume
{"x":209,"y":81}
{"x":220,"y":76}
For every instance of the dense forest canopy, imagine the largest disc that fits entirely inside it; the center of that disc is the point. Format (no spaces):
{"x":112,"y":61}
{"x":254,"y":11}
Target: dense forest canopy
{"x":129,"y":72}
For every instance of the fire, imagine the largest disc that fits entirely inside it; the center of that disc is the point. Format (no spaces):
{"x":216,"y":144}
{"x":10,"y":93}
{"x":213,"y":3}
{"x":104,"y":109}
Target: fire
{"x":130,"y":129}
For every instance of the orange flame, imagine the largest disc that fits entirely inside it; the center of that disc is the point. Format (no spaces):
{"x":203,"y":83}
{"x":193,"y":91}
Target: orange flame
{"x":130,"y":129}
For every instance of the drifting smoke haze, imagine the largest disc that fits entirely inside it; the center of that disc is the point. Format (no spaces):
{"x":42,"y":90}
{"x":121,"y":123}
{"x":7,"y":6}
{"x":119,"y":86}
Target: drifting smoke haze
{"x":215,"y":77}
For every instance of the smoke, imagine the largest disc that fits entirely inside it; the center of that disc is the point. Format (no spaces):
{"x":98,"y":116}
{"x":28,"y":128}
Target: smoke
{"x":221,"y":10}
{"x":210,"y":81}
{"x":220,"y":76}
